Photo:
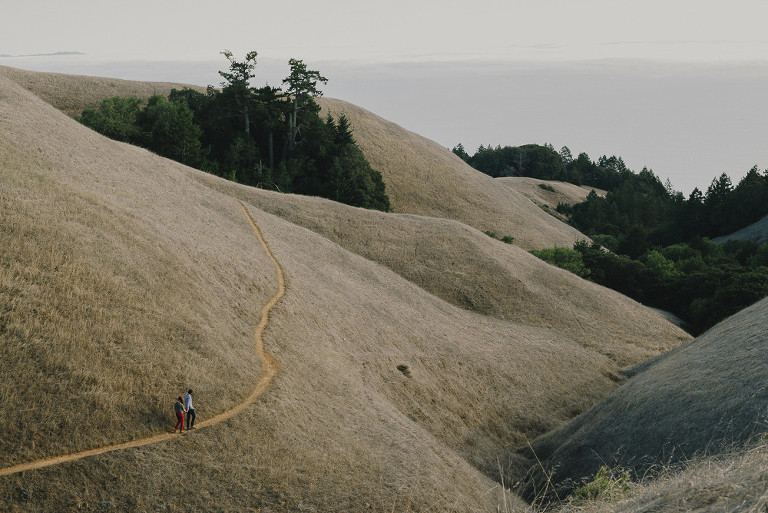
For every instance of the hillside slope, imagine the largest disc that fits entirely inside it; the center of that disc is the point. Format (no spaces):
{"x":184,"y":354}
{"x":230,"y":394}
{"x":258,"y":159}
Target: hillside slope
{"x":475,"y":272}
{"x":756,"y":232}
{"x":705,"y":398}
{"x":549,"y":193}
{"x":129,"y":278}
{"x":421,"y":176}
{"x":427,"y":179}
{"x":73,"y":93}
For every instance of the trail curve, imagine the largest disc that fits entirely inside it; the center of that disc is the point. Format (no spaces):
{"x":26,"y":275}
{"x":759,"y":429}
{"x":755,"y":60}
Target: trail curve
{"x":269,"y":368}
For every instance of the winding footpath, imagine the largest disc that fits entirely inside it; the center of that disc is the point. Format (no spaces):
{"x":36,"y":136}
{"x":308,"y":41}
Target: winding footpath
{"x":269,"y":367}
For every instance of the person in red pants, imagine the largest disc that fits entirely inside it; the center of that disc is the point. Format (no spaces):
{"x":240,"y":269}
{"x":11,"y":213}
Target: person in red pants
{"x":178,"y":406}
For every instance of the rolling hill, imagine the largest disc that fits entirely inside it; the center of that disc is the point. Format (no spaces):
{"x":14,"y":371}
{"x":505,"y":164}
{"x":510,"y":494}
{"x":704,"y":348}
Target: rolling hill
{"x":416,"y":353}
{"x":702,"y":400}
{"x":424,"y":178}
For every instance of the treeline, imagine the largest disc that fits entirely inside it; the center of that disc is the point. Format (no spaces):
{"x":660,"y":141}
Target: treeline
{"x":651,"y":243}
{"x":701,"y":282}
{"x":639,"y":211}
{"x":642,"y":213}
{"x":545,"y":163}
{"x":264,"y":137}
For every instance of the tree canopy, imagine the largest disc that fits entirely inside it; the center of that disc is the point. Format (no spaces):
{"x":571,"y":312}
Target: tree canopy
{"x":259,"y":136}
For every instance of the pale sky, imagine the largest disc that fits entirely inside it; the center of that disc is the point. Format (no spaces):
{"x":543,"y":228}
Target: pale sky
{"x":517,"y":72}
{"x":394,"y":30}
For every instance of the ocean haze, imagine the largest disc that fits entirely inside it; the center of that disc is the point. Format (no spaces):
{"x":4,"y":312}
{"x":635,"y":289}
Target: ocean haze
{"x":687,"y":122}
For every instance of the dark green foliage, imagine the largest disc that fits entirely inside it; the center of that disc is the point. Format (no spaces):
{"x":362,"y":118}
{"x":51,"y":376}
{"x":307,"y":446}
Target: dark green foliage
{"x":701,"y":282}
{"x":639,"y":211}
{"x":460,"y":152}
{"x":117,"y":118}
{"x":564,"y":208}
{"x":169,"y":130}
{"x":506,"y":239}
{"x":545,"y":163}
{"x":657,"y":240}
{"x":529,"y":160}
{"x":565,"y":258}
{"x":256,"y":136}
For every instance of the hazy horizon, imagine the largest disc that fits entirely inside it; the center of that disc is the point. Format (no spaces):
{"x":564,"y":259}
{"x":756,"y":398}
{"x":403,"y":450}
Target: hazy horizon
{"x":675,"y":87}
{"x":688,"y":123}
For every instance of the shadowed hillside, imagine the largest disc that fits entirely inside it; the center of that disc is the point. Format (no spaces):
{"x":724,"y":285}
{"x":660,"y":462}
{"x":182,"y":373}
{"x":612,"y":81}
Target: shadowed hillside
{"x":756,"y":232}
{"x":705,"y":398}
{"x":129,"y":278}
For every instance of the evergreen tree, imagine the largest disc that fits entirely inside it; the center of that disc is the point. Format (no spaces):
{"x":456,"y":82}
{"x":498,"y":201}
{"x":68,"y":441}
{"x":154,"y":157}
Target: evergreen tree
{"x":237,"y":83}
{"x":302,"y":89}
{"x":169,"y":130}
{"x":116,"y":117}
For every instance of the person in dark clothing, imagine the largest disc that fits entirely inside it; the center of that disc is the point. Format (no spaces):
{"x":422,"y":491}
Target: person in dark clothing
{"x":178,"y":407}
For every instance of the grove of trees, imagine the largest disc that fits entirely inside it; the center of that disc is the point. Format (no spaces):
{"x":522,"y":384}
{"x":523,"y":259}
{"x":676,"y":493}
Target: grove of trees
{"x":638,"y":211}
{"x":259,"y":136}
{"x":650,"y":241}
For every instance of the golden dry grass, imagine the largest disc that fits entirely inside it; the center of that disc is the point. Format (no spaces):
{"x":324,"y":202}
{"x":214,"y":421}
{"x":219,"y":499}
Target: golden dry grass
{"x":426,"y":179}
{"x":473,"y":271}
{"x":127,"y":294}
{"x":548,"y":194}
{"x":127,"y":278}
{"x":71,"y":93}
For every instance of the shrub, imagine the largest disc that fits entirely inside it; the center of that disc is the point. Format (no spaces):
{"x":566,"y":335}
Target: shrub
{"x":760,"y":258}
{"x":547,"y":187}
{"x":605,"y":484}
{"x":507,"y":239}
{"x":564,"y":258}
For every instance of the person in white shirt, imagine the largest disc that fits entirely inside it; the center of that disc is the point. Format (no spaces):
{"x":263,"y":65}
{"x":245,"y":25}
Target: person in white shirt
{"x":190,"y":410}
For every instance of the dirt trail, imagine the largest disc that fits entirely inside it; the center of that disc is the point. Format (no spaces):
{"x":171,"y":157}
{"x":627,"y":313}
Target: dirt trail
{"x":269,"y":367}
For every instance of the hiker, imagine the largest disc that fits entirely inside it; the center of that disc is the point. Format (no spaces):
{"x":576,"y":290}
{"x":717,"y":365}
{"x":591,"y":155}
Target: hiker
{"x":178,"y":406}
{"x":190,"y":410}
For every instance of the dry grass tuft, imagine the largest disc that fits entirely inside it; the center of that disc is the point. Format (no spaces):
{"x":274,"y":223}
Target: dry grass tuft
{"x":732,"y":481}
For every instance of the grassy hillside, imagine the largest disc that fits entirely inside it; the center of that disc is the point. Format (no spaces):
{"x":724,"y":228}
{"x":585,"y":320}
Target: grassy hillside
{"x":128,"y":278}
{"x":73,"y":93}
{"x":426,"y":179}
{"x":475,"y":272}
{"x":548,"y":194}
{"x":422,"y":177}
{"x":703,"y":399}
